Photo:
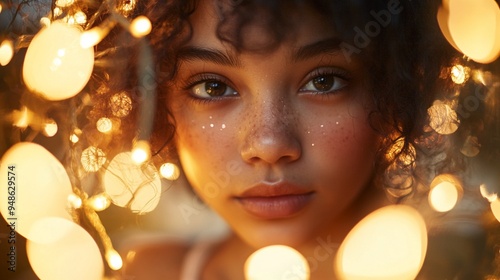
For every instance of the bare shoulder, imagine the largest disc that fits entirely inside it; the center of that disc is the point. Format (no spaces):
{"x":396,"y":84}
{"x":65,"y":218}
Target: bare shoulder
{"x":154,"y":260}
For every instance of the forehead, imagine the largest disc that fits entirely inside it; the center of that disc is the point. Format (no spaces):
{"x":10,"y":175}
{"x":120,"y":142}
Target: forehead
{"x":257,"y":28}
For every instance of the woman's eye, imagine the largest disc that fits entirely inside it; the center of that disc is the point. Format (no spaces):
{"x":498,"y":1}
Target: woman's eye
{"x":212,"y":88}
{"x":324,"y":84}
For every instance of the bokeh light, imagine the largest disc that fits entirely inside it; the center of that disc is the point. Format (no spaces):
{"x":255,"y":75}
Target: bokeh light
{"x":56,"y":66}
{"x":388,"y":244}
{"x":442,"y":118}
{"x":93,"y":159}
{"x":50,"y":128}
{"x":130,"y":185}
{"x":459,"y":74}
{"x":6,"y":52}
{"x":41,"y":189}
{"x":445,"y":192}
{"x":120,"y":104}
{"x":104,"y":125}
{"x":61,"y":249}
{"x":170,"y":171}
{"x":141,"y":152}
{"x":140,"y":26}
{"x":276,"y":262}
{"x":99,"y":202}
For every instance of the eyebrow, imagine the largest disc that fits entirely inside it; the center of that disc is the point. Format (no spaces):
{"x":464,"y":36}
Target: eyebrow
{"x":190,"y":53}
{"x":328,"y":46}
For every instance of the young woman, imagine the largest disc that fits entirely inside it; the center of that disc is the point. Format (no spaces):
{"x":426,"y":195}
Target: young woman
{"x":281,"y":114}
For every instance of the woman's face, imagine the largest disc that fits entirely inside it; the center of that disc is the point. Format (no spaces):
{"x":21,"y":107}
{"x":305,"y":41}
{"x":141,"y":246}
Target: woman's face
{"x":278,"y":143}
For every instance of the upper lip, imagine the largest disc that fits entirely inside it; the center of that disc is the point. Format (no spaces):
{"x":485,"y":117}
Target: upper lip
{"x":273,"y":189}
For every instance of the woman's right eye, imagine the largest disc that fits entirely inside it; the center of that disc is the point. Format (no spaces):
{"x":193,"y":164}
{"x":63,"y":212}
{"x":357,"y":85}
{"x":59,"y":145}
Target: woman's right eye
{"x":212,"y":89}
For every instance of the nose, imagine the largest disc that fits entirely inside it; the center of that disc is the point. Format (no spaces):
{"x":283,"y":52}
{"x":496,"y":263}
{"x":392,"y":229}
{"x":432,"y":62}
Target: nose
{"x":270,"y":133}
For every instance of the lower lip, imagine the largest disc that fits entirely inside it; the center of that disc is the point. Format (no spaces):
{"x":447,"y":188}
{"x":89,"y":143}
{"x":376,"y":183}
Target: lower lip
{"x":275,"y":207}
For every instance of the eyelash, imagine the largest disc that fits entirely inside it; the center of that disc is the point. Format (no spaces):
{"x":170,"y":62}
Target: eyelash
{"x":209,"y":77}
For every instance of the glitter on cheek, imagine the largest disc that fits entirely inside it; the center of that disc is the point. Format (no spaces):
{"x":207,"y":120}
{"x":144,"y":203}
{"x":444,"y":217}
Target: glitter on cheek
{"x":211,"y":125}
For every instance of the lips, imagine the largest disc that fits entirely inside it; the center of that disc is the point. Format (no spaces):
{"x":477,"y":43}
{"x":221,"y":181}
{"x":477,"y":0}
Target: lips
{"x":274,"y":201}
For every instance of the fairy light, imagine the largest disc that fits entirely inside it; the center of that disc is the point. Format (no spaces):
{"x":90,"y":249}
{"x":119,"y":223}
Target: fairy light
{"x":483,"y":189}
{"x":45,"y":21}
{"x":445,"y":192}
{"x":92,"y":159}
{"x":141,"y":152}
{"x":80,"y":17}
{"x":64,"y":3}
{"x":104,"y":125}
{"x":22,"y":118}
{"x":459,"y":74}
{"x":169,"y":171}
{"x":113,"y":259}
{"x":6,"y":52}
{"x":140,"y":27}
{"x":276,"y":262}
{"x":120,"y":104}
{"x":397,"y":148}
{"x":99,"y":202}
{"x":127,"y":6}
{"x":91,"y":37}
{"x":74,"y":201}
{"x":442,"y":118}
{"x":50,"y":128}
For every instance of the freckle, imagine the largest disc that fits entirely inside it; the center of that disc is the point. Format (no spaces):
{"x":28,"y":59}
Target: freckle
{"x":211,"y":125}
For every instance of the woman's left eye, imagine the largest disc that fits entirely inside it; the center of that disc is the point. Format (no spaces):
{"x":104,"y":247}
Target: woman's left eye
{"x":212,"y":89}
{"x":325,"y":83}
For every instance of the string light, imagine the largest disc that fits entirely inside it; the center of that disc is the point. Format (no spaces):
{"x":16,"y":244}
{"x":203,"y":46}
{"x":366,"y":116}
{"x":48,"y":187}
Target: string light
{"x":140,"y":27}
{"x":104,"y":125}
{"x":92,"y":159}
{"x":6,"y":52}
{"x":141,"y":152}
{"x":276,"y":262}
{"x":445,"y":191}
{"x":50,"y":128}
{"x":396,"y":149}
{"x":114,"y":259}
{"x":169,"y":171}
{"x":459,"y":74}
{"x":64,"y":3}
{"x":99,"y":202}
{"x":120,"y":104}
{"x":442,"y":118}
{"x":22,"y":119}
{"x":74,"y":201}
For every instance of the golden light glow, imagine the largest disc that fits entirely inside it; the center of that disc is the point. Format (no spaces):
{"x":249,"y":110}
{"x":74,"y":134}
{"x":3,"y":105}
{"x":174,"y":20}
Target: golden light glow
{"x":74,"y":201}
{"x":22,"y":118}
{"x":6,"y":52}
{"x":471,"y":147}
{"x":42,"y":187}
{"x":99,"y":202}
{"x":388,"y":244}
{"x":141,"y":152}
{"x":442,"y":118}
{"x":64,"y":3}
{"x":91,"y":37}
{"x":486,"y":193}
{"x":276,"y":262}
{"x":130,"y":185}
{"x":92,"y":159}
{"x":474,"y":27}
{"x":50,"y":128}
{"x":140,"y":27}
{"x":396,"y":149}
{"x":45,"y":22}
{"x":170,"y":171}
{"x":495,"y":209}
{"x":120,"y":104}
{"x":80,"y":17}
{"x":445,"y":191}
{"x":74,"y":138}
{"x":114,"y":259}
{"x":459,"y":74}
{"x":56,"y":249}
{"x":56,"y":66}
{"x":104,"y":125}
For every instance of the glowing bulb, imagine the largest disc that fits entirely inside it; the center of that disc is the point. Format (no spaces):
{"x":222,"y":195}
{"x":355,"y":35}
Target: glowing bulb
{"x":388,"y":244}
{"x":141,"y":152}
{"x":57,"y":244}
{"x":91,"y":37}
{"x":0,"y":7}
{"x":50,"y":128}
{"x":56,"y":76}
{"x":74,"y":201}
{"x":6,"y":52}
{"x":486,"y":193}
{"x":80,"y":17}
{"x":131,"y":185}
{"x":114,"y":260}
{"x":45,"y":22}
{"x":99,"y":202}
{"x":104,"y":125}
{"x":475,"y":27}
{"x":442,"y":118}
{"x":74,"y":138}
{"x":459,"y":74}
{"x":276,"y":262}
{"x":22,"y":118}
{"x":445,"y":192}
{"x":121,"y":104}
{"x":140,"y":26}
{"x":42,"y":185}
{"x":169,"y":171}
{"x":92,"y":159}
